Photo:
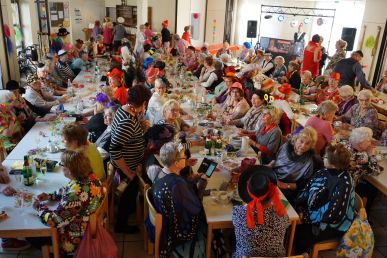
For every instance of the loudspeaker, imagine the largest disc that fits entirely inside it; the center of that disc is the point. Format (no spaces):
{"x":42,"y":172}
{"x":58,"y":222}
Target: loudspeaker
{"x":349,"y":34}
{"x":251,"y":29}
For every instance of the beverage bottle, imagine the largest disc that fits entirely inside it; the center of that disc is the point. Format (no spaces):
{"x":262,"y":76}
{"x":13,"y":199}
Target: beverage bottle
{"x":208,"y":145}
{"x":218,"y":144}
{"x":70,"y":90}
{"x":27,"y":172}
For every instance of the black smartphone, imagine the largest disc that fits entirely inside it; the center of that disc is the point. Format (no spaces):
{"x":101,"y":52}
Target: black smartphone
{"x":207,"y":167}
{"x":16,"y":172}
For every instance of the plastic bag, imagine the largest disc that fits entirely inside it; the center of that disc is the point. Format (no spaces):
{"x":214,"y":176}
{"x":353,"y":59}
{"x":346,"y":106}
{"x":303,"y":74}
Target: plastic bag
{"x":102,"y":246}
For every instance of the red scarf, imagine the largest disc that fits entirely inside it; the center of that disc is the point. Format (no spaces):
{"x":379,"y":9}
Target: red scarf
{"x":274,"y":196}
{"x":267,"y":129}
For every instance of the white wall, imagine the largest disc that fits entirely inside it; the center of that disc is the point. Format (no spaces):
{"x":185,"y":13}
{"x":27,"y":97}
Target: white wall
{"x":348,"y":14}
{"x":183,"y":15}
{"x":216,"y":10}
{"x":199,"y":7}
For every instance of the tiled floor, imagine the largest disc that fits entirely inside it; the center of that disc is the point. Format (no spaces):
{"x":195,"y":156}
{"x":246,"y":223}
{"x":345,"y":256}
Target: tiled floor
{"x":133,"y":245}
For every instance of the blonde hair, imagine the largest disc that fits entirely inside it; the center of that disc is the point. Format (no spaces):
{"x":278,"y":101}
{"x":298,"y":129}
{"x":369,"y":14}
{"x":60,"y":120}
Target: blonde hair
{"x":327,"y":107}
{"x":365,"y":93}
{"x":108,"y":91}
{"x":167,"y":107}
{"x":77,"y":163}
{"x":274,"y":113}
{"x":306,"y":133}
{"x":342,"y":43}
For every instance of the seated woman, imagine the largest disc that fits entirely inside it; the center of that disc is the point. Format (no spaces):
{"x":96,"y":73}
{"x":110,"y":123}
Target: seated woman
{"x":99,"y":47}
{"x":211,"y":74}
{"x":222,"y":91}
{"x":74,"y":137}
{"x":250,"y":56}
{"x":251,"y":121}
{"x":363,"y":162}
{"x":189,"y":59}
{"x":382,"y":84}
{"x":322,"y":123}
{"x":224,"y":50}
{"x":11,"y":131}
{"x":235,"y":105}
{"x":331,"y":92}
{"x":103,"y":141}
{"x":280,"y":68}
{"x":175,"y":199}
{"x":115,"y":81}
{"x":48,"y":88}
{"x":265,"y":235}
{"x":201,"y":58}
{"x":34,"y":96}
{"x":362,"y":114}
{"x":294,"y":162}
{"x":52,"y":74}
{"x":157,"y":101}
{"x":245,"y":51}
{"x":281,"y":101}
{"x":327,"y":200}
{"x":348,"y":99}
{"x":293,"y":77}
{"x":307,"y":89}
{"x":76,"y":201}
{"x":171,"y":115}
{"x":268,"y":136}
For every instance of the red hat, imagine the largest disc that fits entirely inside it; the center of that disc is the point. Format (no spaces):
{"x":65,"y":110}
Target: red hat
{"x":152,"y":72}
{"x":229,"y":69}
{"x":285,"y":88}
{"x":267,"y":84}
{"x":165,"y":23}
{"x":237,"y":85}
{"x":147,"y":42}
{"x":335,"y":76}
{"x":115,"y":73}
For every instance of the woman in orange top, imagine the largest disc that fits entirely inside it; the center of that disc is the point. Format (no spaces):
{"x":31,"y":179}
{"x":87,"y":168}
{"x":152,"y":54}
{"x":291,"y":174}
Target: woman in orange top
{"x":331,"y":92}
{"x":115,"y":81}
{"x":312,"y":56}
{"x":186,"y":36}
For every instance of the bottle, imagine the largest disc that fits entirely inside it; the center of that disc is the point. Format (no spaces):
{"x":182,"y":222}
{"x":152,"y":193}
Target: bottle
{"x":122,"y":186}
{"x":70,"y":90}
{"x":218,"y":144}
{"x":27,"y":172}
{"x":208,"y":145}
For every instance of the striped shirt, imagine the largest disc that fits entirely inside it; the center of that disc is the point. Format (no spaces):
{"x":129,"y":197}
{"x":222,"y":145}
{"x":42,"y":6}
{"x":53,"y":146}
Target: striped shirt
{"x":127,"y":139}
{"x":64,"y":71}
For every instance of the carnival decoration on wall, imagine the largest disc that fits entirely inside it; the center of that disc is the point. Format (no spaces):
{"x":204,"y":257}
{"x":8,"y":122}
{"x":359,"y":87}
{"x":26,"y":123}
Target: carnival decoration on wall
{"x":7,"y":34}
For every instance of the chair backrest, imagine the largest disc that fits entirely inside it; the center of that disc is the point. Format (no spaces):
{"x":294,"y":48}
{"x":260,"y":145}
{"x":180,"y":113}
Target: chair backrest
{"x":3,"y":153}
{"x":157,"y":220}
{"x":98,"y":215}
{"x":359,"y":207}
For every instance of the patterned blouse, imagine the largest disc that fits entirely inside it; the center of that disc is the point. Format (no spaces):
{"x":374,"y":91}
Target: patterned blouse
{"x":361,"y":164}
{"x":252,"y":120}
{"x":369,"y":119}
{"x":335,"y":59}
{"x":328,"y":94}
{"x":263,"y":240}
{"x":237,"y":111}
{"x":77,"y":200}
{"x":329,"y":200}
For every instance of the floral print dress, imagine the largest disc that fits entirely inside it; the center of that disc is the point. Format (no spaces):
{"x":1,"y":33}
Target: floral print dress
{"x":369,"y":119}
{"x":77,"y":200}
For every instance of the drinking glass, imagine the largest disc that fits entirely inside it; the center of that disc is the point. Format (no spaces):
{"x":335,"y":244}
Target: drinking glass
{"x":43,"y":166}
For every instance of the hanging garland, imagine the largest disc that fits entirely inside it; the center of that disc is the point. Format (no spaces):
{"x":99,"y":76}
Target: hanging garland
{"x":7,"y":34}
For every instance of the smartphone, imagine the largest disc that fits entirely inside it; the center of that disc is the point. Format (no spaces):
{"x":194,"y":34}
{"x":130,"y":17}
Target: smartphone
{"x":207,"y":167}
{"x":211,"y":169}
{"x":16,"y":172}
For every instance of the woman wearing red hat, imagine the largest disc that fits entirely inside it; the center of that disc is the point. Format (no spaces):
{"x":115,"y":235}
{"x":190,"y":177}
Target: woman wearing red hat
{"x":236,"y":105}
{"x":331,"y":92}
{"x":229,"y":78}
{"x":115,"y":81}
{"x":281,"y":96}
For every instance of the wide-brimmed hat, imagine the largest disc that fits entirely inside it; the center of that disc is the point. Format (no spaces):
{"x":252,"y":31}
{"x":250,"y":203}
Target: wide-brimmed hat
{"x":237,"y":85}
{"x":115,"y":73}
{"x":120,"y":20}
{"x":62,"y":52}
{"x":257,"y":184}
{"x":62,"y":32}
{"x":285,"y":88}
{"x":267,"y":54}
{"x":31,"y":78}
{"x":267,"y":85}
{"x":230,"y":72}
{"x":335,"y":76}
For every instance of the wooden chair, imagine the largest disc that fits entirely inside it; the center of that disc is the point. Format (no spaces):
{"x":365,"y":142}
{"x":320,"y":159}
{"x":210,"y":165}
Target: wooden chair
{"x":111,"y":190}
{"x":334,"y":243}
{"x":142,"y":196}
{"x":3,"y":152}
{"x":157,"y":221}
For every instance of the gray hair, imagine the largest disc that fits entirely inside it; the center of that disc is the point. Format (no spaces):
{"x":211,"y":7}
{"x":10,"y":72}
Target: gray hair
{"x":359,"y":135}
{"x":159,"y":82}
{"x":176,"y":37}
{"x":346,"y":91}
{"x":225,"y":57}
{"x":112,"y":110}
{"x":202,"y":57}
{"x":251,"y":51}
{"x":307,"y":74}
{"x":169,"y":105}
{"x":169,"y":153}
{"x":280,"y":58}
{"x":365,"y":93}
{"x":327,"y":107}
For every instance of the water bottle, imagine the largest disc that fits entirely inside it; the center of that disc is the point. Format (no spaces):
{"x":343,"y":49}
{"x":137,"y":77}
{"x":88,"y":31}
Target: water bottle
{"x":70,"y":90}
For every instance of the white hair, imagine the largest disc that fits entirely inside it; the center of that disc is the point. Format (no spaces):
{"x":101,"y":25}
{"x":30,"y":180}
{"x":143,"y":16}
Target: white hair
{"x":169,"y":154}
{"x":365,"y":93}
{"x":307,"y":74}
{"x":202,"y":57}
{"x":281,"y":58}
{"x":225,"y":57}
{"x":346,"y":91}
{"x":359,"y":135}
{"x":326,"y":107}
{"x":206,"y":45}
{"x":251,"y":51}
{"x":159,"y":82}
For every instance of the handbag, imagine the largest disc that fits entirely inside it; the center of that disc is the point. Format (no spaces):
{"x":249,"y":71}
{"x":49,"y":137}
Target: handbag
{"x":359,"y":240}
{"x":101,"y":246}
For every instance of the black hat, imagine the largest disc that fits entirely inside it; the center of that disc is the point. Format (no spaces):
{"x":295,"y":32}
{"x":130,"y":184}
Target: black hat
{"x":12,"y":85}
{"x":160,"y":133}
{"x":160,"y":65}
{"x":62,"y":32}
{"x":256,"y":180}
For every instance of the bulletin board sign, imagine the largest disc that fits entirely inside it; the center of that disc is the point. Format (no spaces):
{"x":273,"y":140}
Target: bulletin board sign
{"x":59,"y":14}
